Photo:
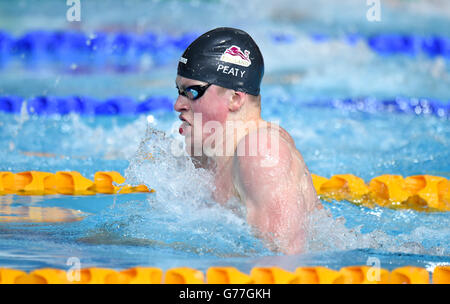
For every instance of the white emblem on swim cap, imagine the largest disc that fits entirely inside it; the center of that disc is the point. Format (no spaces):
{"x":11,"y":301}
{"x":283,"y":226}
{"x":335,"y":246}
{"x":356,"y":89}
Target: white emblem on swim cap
{"x":183,"y":60}
{"x":233,"y":54}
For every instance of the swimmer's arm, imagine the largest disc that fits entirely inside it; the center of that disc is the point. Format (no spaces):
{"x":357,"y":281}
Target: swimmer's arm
{"x":275,"y":207}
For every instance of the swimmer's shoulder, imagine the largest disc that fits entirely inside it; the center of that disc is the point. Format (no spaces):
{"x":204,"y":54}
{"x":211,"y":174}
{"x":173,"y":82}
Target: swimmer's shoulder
{"x":282,"y":132}
{"x":274,"y":131}
{"x":286,"y":144}
{"x":267,"y":141}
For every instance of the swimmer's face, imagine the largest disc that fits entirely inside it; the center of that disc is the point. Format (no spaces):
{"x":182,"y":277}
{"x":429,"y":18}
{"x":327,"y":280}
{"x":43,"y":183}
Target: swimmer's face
{"x":207,"y":110}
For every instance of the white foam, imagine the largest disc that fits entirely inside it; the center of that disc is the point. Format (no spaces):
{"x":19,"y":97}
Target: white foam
{"x":328,"y":234}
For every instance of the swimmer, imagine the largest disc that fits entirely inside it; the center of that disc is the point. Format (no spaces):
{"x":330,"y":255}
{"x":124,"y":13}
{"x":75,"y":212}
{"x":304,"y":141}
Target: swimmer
{"x":219,"y":102}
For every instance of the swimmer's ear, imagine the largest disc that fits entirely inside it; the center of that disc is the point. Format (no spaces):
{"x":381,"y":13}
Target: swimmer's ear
{"x":236,"y":101}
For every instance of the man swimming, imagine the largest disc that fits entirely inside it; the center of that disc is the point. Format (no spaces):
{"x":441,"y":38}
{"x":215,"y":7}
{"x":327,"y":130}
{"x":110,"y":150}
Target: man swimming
{"x":218,"y":81}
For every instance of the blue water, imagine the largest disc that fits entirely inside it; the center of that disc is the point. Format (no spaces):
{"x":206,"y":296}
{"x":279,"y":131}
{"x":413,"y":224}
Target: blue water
{"x":179,"y":224}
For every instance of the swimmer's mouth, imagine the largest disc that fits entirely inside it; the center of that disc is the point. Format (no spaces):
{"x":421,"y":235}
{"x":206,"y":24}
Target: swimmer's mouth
{"x":184,"y":119}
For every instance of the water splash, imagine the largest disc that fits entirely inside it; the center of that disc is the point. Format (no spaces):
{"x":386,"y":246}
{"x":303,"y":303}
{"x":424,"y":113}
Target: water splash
{"x":160,"y":163}
{"x":181,"y":215}
{"x":328,"y":234}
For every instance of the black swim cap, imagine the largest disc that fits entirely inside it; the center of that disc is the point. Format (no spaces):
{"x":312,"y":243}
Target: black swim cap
{"x":226,"y":57}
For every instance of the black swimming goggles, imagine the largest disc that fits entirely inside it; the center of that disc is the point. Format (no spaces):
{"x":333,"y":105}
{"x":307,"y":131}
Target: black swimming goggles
{"x":194,"y":92}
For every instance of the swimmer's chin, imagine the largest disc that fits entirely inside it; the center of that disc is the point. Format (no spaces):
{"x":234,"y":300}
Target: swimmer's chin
{"x":184,"y":129}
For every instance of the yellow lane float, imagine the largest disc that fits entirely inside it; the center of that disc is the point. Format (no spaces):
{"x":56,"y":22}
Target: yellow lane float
{"x":230,"y":275}
{"x":65,"y":182}
{"x":419,"y":192}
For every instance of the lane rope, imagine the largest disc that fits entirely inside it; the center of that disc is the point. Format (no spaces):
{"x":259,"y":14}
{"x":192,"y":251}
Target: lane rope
{"x":230,"y":275}
{"x":122,"y":105}
{"x":123,"y":49}
{"x":418,"y":192}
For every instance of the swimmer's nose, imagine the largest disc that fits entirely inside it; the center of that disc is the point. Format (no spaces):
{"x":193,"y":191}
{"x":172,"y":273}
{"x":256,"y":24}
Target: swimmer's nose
{"x":182,"y":104}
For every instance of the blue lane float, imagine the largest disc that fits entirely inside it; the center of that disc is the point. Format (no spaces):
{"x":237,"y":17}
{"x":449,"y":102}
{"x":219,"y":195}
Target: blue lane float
{"x":94,"y":50}
{"x":122,"y":105}
{"x":414,"y":106}
{"x":83,"y":105}
{"x":126,"y":48}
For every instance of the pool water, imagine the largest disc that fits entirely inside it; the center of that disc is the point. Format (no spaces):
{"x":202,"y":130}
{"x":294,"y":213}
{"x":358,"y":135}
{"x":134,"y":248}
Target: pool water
{"x":179,"y":224}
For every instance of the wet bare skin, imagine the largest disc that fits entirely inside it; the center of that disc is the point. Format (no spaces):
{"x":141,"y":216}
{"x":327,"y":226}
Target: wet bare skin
{"x":278,"y":196}
{"x":274,"y":185}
